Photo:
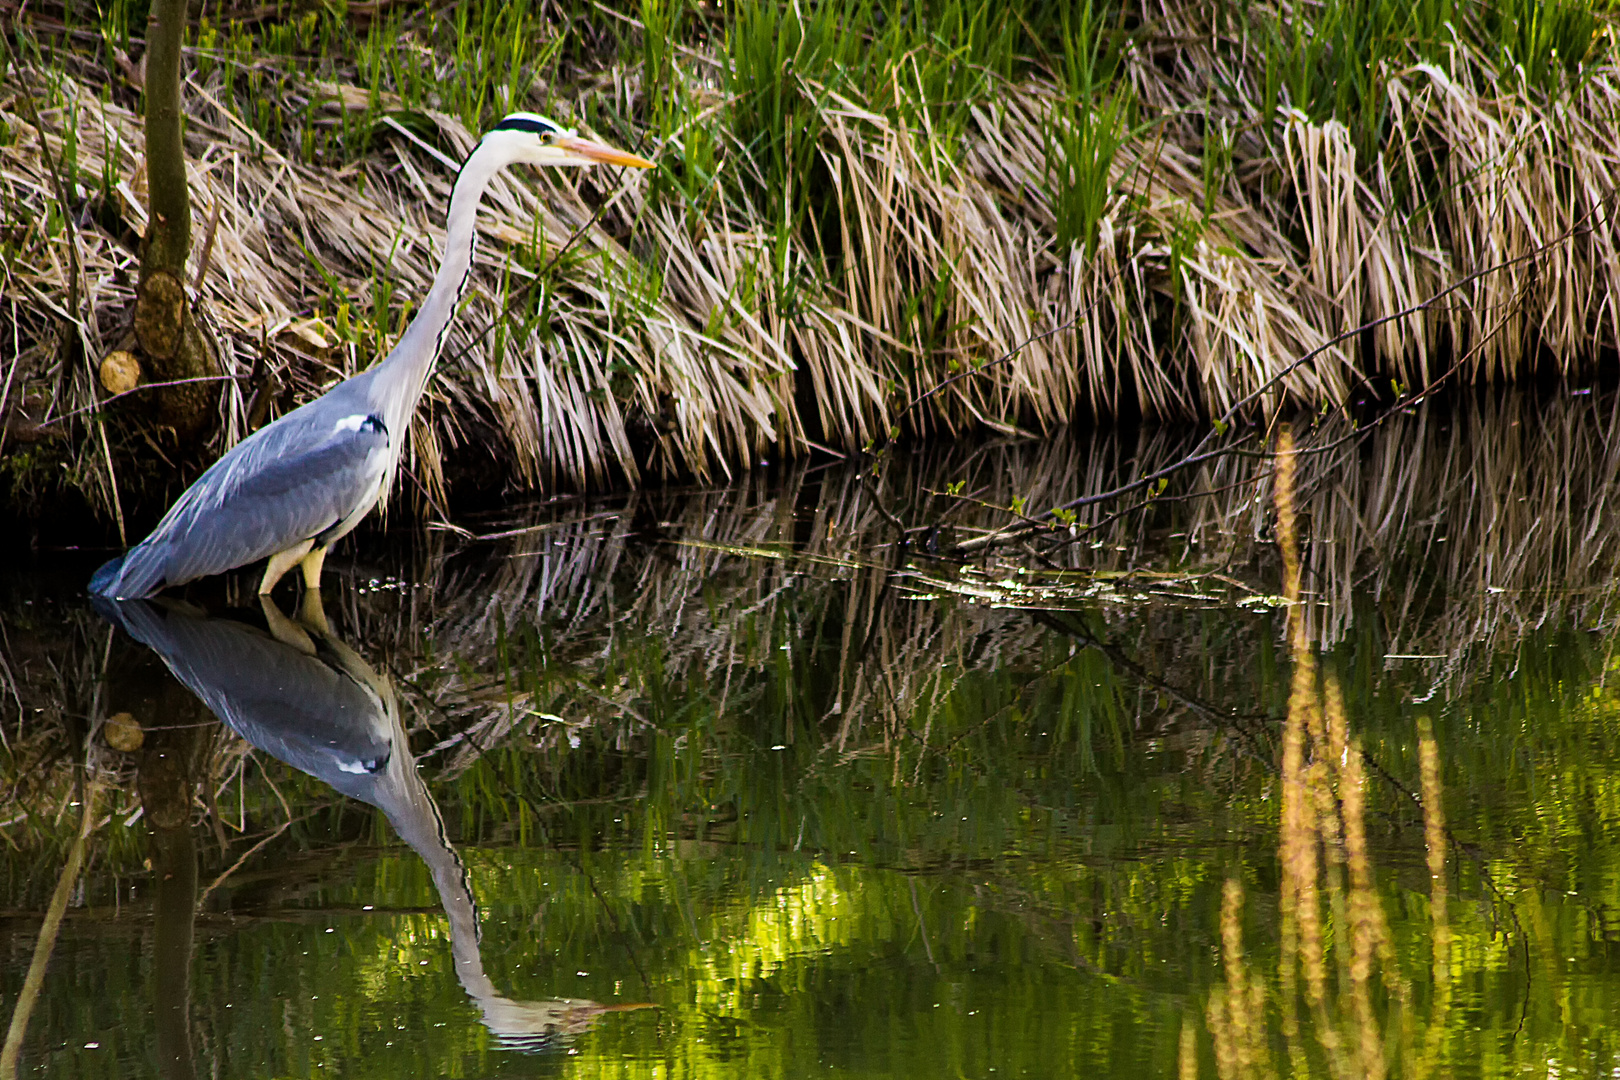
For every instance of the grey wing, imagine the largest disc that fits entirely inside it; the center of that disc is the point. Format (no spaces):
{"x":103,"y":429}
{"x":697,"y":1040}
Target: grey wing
{"x":265,"y":496}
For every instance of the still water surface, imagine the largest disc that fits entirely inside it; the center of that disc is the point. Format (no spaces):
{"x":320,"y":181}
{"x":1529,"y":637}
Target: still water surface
{"x":727,"y":784}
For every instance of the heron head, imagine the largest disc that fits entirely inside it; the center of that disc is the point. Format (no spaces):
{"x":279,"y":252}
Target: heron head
{"x":540,"y":140}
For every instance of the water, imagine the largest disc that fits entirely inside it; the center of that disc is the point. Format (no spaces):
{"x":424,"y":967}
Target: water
{"x":727,"y":783}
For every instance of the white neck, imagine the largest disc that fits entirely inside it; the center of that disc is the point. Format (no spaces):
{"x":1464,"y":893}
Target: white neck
{"x":403,"y":375}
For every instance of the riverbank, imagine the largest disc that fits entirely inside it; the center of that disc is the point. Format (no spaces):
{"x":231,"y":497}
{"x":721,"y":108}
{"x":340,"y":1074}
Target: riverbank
{"x":868,"y":222}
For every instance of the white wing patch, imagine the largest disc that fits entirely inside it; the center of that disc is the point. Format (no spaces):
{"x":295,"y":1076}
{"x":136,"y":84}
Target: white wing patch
{"x":350,"y":423}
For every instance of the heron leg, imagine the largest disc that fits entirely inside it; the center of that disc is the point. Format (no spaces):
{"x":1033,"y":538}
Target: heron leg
{"x":284,"y":629}
{"x":312,"y":565}
{"x":281,"y":562}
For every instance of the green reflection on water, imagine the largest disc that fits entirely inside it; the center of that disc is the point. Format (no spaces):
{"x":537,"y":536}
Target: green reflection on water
{"x":1015,"y":903}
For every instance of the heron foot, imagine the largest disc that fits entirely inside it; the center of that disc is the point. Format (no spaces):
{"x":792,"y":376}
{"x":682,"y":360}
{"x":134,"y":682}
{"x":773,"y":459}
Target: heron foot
{"x":283,"y":561}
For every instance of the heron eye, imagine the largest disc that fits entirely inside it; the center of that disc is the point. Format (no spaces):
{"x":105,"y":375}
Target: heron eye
{"x":548,"y":137}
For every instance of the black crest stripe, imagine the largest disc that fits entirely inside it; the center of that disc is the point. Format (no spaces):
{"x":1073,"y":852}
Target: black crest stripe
{"x":522,"y":123}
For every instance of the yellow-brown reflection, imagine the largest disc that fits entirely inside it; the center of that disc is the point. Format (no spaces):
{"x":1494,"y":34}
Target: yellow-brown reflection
{"x":1324,"y":854}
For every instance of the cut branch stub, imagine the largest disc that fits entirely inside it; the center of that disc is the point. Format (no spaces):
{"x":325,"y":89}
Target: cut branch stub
{"x":160,"y":314}
{"x":120,"y":372}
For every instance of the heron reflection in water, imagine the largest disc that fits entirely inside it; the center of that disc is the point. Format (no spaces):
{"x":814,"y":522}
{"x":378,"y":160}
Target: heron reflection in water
{"x":304,"y":697}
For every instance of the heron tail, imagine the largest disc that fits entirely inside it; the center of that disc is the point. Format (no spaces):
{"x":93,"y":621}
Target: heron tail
{"x":136,"y":573}
{"x":105,"y":581}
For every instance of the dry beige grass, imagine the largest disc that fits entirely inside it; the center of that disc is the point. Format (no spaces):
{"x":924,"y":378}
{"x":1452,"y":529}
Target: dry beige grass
{"x":674,"y":342}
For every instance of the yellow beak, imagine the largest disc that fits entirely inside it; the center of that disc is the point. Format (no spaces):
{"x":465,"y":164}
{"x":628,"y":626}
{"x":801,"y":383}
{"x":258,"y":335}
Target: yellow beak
{"x":599,"y":153}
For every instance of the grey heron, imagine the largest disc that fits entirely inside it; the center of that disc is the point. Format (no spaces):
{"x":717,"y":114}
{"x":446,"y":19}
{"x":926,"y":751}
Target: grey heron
{"x":290,"y":489}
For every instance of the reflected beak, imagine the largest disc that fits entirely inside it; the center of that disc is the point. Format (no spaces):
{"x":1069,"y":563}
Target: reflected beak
{"x":599,"y":154}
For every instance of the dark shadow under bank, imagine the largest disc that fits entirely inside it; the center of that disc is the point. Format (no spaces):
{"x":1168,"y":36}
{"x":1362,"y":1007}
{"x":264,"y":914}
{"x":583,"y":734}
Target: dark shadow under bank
{"x":56,"y":520}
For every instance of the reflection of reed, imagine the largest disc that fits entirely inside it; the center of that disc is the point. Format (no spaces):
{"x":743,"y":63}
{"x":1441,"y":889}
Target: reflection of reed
{"x":1325,"y":859}
{"x":1460,"y":529}
{"x":730,"y":589}
{"x":1464,"y":529}
{"x":1473,"y":526}
{"x":1465,"y":526}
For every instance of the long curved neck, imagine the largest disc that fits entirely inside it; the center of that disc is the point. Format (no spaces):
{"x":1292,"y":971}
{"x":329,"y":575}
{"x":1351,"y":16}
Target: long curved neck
{"x":402,"y":376}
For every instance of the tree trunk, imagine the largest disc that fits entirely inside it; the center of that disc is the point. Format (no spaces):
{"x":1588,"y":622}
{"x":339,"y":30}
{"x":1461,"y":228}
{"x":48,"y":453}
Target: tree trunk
{"x":165,"y":328}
